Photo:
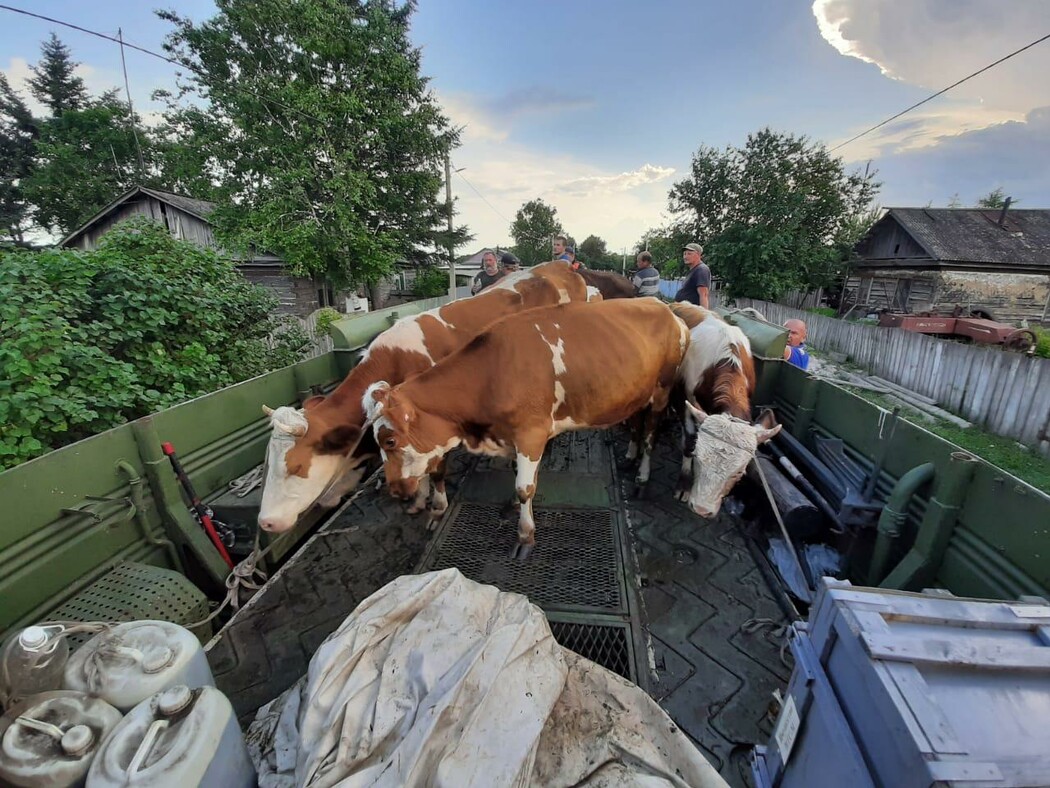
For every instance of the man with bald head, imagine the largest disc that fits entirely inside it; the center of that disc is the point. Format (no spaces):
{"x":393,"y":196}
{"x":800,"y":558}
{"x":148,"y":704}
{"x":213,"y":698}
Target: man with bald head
{"x":795,"y":352}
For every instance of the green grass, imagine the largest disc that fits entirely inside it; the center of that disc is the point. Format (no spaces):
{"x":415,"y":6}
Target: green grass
{"x":826,"y":311}
{"x":1042,"y":344}
{"x":1005,"y":453}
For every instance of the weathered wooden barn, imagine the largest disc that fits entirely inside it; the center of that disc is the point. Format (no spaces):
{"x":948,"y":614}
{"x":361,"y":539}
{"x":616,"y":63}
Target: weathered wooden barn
{"x":188,"y":220}
{"x":992,"y":262}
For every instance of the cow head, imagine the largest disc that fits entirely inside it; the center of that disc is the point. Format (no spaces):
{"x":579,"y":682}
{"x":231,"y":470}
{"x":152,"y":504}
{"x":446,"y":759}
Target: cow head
{"x":411,"y":443}
{"x":308,"y":460}
{"x":724,"y":447}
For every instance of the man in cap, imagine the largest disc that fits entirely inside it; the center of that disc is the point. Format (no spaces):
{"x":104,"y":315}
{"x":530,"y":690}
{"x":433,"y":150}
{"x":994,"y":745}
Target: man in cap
{"x":488,"y":274}
{"x":510,"y":263}
{"x":696,"y":285}
{"x":570,"y":258}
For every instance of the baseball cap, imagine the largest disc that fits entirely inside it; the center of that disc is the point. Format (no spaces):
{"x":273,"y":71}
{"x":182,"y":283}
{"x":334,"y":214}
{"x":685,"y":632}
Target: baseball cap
{"x":693,"y":248}
{"x":509,"y":259}
{"x":569,"y":250}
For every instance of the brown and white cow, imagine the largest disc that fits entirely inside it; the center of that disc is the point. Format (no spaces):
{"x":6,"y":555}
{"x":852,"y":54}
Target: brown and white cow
{"x":524,"y":380}
{"x":718,"y":439}
{"x":319,"y":454}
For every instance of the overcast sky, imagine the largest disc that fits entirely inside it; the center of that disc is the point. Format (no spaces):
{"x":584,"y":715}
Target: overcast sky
{"x":597,"y":105}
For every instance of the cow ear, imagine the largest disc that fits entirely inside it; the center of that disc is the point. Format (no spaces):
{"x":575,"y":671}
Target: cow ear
{"x":764,"y":434}
{"x":341,"y":439}
{"x":313,"y":401}
{"x":375,"y":399}
{"x":766,"y":419}
{"x":698,"y":414}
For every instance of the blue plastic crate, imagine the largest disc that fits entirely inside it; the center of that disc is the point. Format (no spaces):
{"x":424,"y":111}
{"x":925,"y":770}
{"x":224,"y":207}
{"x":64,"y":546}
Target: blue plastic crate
{"x":914,"y":690}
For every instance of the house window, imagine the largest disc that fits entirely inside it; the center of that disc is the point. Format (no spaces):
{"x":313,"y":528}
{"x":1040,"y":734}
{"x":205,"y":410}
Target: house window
{"x":896,"y":248}
{"x":326,"y":295}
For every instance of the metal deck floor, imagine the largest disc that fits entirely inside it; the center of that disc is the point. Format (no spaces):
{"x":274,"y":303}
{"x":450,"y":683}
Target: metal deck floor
{"x":692,"y":588}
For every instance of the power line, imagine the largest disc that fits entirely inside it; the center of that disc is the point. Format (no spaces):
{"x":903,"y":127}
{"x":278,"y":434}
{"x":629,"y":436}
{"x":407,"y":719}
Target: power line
{"x":484,"y":199}
{"x":159,"y":56}
{"x":939,"y":93}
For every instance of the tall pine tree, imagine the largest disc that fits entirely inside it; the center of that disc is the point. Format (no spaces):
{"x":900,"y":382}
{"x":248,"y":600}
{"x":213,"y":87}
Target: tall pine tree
{"x":54,"y":83}
{"x":18,"y":132}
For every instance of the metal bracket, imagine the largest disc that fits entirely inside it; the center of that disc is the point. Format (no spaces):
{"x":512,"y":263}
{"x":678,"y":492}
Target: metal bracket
{"x":94,"y":502}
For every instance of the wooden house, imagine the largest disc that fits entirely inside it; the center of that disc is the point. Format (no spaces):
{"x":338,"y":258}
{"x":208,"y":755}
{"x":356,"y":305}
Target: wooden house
{"x":187,"y":220}
{"x":995,"y":263}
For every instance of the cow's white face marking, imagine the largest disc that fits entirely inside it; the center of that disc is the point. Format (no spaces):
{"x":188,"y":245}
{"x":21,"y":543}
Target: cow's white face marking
{"x":711,"y":342}
{"x":724,"y":447}
{"x":414,"y":462}
{"x":285,"y":496}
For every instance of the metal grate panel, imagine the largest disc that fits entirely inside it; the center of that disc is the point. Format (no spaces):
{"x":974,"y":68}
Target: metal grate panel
{"x":133,"y":591}
{"x":605,"y":645}
{"x":575,"y":563}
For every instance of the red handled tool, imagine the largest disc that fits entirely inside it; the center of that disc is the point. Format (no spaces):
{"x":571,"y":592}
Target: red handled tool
{"x":202,"y":511}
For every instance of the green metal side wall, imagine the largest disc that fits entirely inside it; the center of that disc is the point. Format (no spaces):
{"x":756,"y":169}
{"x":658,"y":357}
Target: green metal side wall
{"x":999,"y":547}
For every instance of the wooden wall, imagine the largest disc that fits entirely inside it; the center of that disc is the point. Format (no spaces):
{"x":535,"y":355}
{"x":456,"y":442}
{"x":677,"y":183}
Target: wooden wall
{"x":1006,"y":393}
{"x":182,"y":225}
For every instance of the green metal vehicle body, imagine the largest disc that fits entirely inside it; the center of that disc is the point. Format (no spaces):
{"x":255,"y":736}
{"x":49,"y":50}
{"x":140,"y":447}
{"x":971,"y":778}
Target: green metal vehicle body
{"x":71,"y":517}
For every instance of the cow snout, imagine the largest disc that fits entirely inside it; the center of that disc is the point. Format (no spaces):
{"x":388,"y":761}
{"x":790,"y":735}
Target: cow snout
{"x":405,"y":489}
{"x":275,"y":525}
{"x":704,"y":511}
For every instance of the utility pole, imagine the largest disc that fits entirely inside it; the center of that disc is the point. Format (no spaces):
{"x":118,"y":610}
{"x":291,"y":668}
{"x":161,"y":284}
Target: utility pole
{"x":131,"y":109}
{"x":451,"y":243}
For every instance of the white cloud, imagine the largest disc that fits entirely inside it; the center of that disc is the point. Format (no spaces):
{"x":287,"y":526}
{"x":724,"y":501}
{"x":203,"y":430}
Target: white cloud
{"x":931,"y":44}
{"x":491,"y":118}
{"x":617,"y":207}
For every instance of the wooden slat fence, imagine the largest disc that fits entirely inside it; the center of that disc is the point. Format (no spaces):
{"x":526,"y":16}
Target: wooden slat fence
{"x":1006,"y":393}
{"x":321,"y":342}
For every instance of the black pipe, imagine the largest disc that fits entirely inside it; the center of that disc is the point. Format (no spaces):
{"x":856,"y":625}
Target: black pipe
{"x":780,"y":596}
{"x":816,"y":466}
{"x":803,"y":483}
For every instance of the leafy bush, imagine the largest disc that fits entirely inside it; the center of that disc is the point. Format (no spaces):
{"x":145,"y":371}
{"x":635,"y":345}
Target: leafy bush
{"x":430,"y":282}
{"x":325,"y":318}
{"x":89,"y":340}
{"x":826,"y":311}
{"x":1042,"y":343}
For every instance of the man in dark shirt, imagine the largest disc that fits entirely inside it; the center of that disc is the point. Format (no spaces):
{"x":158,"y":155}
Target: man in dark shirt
{"x":696,"y":285}
{"x":510,"y":263}
{"x":488,"y":274}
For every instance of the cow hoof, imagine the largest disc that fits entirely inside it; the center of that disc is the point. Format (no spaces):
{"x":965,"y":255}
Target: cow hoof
{"x":415,"y":509}
{"x":521,"y":552}
{"x":433,"y":518}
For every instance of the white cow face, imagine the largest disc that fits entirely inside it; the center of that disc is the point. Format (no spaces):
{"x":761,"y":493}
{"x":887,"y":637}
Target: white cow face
{"x":724,"y":447}
{"x":300,"y":473}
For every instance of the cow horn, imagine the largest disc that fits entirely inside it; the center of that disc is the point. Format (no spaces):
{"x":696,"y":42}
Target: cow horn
{"x":267,"y":410}
{"x":698,"y":414}
{"x":297,"y":430}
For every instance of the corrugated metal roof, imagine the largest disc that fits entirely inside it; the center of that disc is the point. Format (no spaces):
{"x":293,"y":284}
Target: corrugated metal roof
{"x":974,"y":235}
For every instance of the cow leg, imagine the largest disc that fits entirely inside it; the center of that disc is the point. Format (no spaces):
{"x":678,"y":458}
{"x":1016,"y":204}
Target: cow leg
{"x":634,"y":427}
{"x":525,"y":488}
{"x":439,"y":500}
{"x":685,"y":476}
{"x":652,"y":419}
{"x":419,"y":503}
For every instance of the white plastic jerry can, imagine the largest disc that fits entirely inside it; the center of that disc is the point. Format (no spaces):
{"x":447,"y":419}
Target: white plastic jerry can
{"x":50,"y":739}
{"x":130,"y":662}
{"x":179,"y":737}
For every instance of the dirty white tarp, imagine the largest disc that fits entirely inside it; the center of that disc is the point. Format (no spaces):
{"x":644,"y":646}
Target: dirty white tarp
{"x":438,"y":680}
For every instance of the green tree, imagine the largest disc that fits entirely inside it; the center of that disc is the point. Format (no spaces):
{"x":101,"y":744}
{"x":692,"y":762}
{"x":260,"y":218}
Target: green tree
{"x":311,"y":124}
{"x":18,"y":131}
{"x":595,"y":254}
{"x":769,"y":214}
{"x":534,"y":227}
{"x":54,"y":83}
{"x":83,"y":159}
{"x":994,"y":199}
{"x":665,"y":245}
{"x":89,"y":340}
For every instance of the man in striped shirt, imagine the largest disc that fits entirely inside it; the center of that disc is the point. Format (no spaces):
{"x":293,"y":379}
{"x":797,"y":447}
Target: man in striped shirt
{"x":646,"y":279}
